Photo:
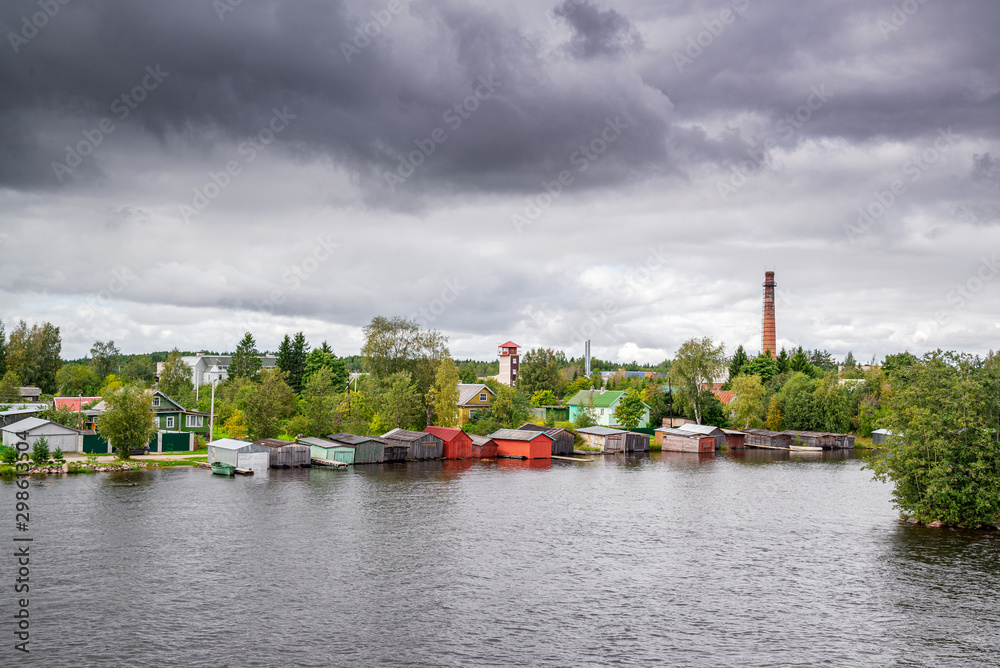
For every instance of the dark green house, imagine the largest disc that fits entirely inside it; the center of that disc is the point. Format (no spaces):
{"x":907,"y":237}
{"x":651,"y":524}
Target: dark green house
{"x":171,"y":416}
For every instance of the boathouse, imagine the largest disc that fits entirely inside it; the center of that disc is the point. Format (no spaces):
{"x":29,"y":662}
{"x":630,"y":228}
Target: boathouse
{"x":735,"y":440}
{"x":241,"y":454}
{"x":562,"y":440}
{"x":764,"y":438}
{"x":880,"y":436}
{"x":456,"y":443}
{"x":597,"y":437}
{"x":421,"y":444}
{"x":285,"y":454}
{"x":522,"y":444}
{"x":331,"y":451}
{"x":483,"y":447}
{"x":843,"y":441}
{"x":812,"y":439}
{"x":706,"y":430}
{"x":682,"y":440}
{"x":367,"y":449}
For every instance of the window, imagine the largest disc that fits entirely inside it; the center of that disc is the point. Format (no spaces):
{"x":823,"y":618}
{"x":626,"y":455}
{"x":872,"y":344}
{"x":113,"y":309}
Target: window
{"x":195,"y":421}
{"x":156,"y":401}
{"x":170,"y":421}
{"x":472,"y":411}
{"x":482,"y":397}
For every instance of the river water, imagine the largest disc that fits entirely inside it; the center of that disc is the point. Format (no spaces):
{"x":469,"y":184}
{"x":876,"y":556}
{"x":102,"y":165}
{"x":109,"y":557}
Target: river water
{"x":748,"y":559}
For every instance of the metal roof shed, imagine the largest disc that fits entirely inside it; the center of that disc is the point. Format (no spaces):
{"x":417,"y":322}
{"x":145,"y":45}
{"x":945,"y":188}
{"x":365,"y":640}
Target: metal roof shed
{"x":422,"y":445}
{"x":241,"y":454}
{"x":457,"y":444}
{"x":880,"y":436}
{"x":562,"y":440}
{"x":598,"y":437}
{"x":706,"y":430}
{"x":483,"y":447}
{"x":285,"y":454}
{"x":735,"y":440}
{"x":522,"y":444}
{"x":32,"y":429}
{"x":367,"y":449}
{"x":331,"y":451}
{"x":681,"y":440}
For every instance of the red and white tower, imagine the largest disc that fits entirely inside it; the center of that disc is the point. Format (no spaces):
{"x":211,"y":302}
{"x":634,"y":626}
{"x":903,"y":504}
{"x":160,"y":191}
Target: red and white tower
{"x":509,"y":363}
{"x":768,"y":340}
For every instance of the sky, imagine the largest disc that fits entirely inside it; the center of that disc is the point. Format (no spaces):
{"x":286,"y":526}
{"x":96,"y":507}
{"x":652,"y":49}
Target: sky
{"x":177,"y":174}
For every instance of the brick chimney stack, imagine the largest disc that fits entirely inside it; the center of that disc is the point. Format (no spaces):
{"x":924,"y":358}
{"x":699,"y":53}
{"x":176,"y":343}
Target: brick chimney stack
{"x":768,"y":341}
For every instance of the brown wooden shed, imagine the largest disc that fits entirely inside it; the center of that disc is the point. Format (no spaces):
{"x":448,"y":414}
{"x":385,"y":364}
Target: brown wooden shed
{"x":764,"y":438}
{"x":421,"y":444}
{"x":735,"y":440}
{"x":679,"y":440}
{"x":483,"y":447}
{"x":286,"y":454}
{"x":562,"y":440}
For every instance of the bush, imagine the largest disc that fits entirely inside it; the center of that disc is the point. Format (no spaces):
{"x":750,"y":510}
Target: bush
{"x":58,"y":455}
{"x":40,"y":452}
{"x":8,"y":454}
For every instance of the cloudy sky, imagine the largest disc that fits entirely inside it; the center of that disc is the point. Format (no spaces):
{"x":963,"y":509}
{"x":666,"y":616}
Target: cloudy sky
{"x":175,"y":174}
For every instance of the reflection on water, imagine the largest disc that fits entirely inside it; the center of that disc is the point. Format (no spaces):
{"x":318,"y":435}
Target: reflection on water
{"x":749,"y":558}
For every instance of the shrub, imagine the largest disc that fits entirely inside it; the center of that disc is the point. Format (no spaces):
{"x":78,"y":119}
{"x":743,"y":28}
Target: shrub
{"x":40,"y":452}
{"x":8,"y":454}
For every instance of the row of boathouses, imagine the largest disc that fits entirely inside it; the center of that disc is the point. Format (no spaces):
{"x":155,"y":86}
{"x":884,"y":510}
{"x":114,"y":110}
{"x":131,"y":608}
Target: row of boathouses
{"x":707,"y":438}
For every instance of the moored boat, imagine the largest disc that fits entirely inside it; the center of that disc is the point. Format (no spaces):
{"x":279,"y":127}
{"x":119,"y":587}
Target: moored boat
{"x":220,"y":468}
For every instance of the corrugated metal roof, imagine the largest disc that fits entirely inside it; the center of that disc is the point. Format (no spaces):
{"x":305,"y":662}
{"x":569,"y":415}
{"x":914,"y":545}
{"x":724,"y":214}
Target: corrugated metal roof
{"x":517,"y":435}
{"x":274,"y":442}
{"x":234,"y":444}
{"x":32,"y":423}
{"x":681,"y":432}
{"x":352,"y":439}
{"x":706,"y":429}
{"x":479,"y":440}
{"x":597,"y":398}
{"x":600,"y":431}
{"x":405,"y":435}
{"x":322,"y":442}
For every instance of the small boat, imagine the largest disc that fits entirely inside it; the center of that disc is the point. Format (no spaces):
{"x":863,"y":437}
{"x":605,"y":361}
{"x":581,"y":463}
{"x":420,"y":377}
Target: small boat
{"x":219,"y":468}
{"x":805,"y":448}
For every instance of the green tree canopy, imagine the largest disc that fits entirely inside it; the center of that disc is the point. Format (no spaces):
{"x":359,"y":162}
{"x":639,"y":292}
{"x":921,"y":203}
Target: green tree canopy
{"x":797,"y":402}
{"x":266,"y":403}
{"x":738,"y":362}
{"x":696,"y":364}
{"x":748,"y":407}
{"x":104,"y":358}
{"x":544,"y":398}
{"x":33,"y":354}
{"x":175,"y":379}
{"x":762,"y":366}
{"x":323,"y":358}
{"x":445,"y":394}
{"x":630,"y":409}
{"x":944,"y":457}
{"x":539,"y":370}
{"x":321,"y":398}
{"x":8,"y":387}
{"x":246,"y":360}
{"x":127,"y":421}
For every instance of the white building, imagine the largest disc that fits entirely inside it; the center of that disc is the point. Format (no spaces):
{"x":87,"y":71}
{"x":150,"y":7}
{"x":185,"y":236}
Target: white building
{"x":206,"y":368}
{"x":31,"y":429}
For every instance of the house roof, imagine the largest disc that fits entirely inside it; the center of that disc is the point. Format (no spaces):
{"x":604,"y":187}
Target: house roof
{"x":323,"y":442}
{"x":468,"y":391}
{"x":509,"y":344}
{"x":479,"y":440}
{"x":517,"y":435}
{"x":73,"y":403}
{"x":234,"y":444}
{"x":405,"y":435}
{"x":600,"y":431}
{"x":681,"y":432}
{"x":597,"y":398}
{"x":32,"y":423}
{"x":444,"y":433}
{"x":273,"y":442}
{"x":725,"y":396}
{"x":705,"y":429}
{"x":531,"y":426}
{"x":352,"y":439}
{"x":24,"y":409}
{"x":29,"y":391}
{"x":733,"y":432}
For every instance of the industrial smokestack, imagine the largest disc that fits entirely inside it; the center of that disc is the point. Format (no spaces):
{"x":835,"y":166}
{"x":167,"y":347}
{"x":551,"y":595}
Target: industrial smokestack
{"x":768,"y":341}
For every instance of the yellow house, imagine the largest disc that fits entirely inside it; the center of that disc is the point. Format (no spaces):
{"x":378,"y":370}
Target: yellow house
{"x":472,"y":397}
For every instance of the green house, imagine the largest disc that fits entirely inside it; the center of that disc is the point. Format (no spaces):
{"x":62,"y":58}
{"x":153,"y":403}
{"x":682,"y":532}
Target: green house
{"x":602,"y":404}
{"x":171,"y":416}
{"x":321,"y":448}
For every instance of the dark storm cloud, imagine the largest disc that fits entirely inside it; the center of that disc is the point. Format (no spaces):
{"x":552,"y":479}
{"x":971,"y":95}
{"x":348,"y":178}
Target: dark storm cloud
{"x":598,"y":32}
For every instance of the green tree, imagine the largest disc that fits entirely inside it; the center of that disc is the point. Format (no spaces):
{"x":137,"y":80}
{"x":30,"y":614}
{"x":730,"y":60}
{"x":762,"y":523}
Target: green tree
{"x":630,"y":410}
{"x":696,"y":364}
{"x":297,"y":363}
{"x":893,"y":363}
{"x":266,"y":403}
{"x":762,"y":366}
{"x":660,"y":401}
{"x":33,"y":354}
{"x":543,"y":398}
{"x":797,"y":402}
{"x":8,"y":387}
{"x":3,"y":350}
{"x":40,"y":455}
{"x":832,"y":405}
{"x":323,"y":357}
{"x":127,"y":421}
{"x":175,"y":378}
{"x":774,"y":420}
{"x":104,"y":358}
{"x":782,"y":360}
{"x":246,"y":360}
{"x":138,"y":368}
{"x":320,"y":399}
{"x":283,"y":359}
{"x":539,"y":370}
{"x":738,"y":362}
{"x":944,"y":460}
{"x":748,"y":406}
{"x":798,"y":361}
{"x":849,"y":361}
{"x":445,"y":394}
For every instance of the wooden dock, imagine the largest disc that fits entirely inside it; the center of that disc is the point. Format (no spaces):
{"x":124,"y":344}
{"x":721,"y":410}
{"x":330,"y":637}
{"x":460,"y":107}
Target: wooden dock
{"x":239,"y":471}
{"x":572,"y":459}
{"x":329,"y":463}
{"x":766,"y":447}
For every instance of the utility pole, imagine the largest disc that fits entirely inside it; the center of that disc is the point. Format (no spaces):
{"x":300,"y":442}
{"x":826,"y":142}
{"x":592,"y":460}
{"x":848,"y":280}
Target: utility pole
{"x":211,"y":417}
